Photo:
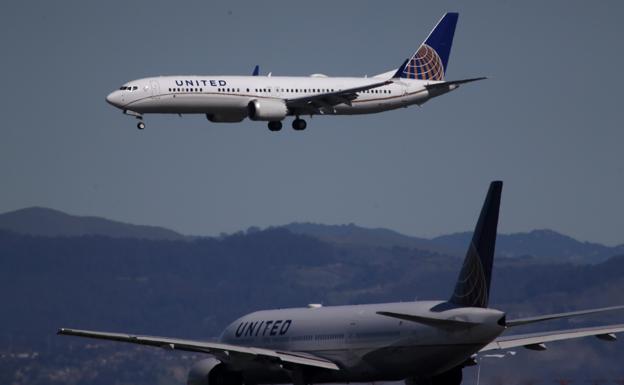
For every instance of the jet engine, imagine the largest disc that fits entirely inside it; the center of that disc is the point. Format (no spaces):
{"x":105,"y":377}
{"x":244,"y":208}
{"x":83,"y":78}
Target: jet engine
{"x":212,"y":372}
{"x":267,"y":109}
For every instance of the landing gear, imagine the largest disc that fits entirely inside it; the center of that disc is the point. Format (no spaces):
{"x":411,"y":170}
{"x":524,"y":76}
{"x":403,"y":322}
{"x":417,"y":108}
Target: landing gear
{"x":140,"y":125}
{"x":275,"y":125}
{"x":452,"y":377}
{"x":299,"y":124}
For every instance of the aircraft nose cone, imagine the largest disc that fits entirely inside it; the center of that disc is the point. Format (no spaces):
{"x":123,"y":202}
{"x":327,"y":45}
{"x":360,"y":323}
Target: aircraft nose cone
{"x":113,"y":98}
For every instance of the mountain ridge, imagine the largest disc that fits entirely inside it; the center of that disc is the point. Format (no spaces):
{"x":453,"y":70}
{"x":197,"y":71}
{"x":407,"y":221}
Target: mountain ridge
{"x":544,"y":244}
{"x":44,"y":221}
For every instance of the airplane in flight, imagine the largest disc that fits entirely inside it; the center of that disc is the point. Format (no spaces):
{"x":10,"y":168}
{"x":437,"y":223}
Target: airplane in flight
{"x":421,"y":342}
{"x":229,"y":99}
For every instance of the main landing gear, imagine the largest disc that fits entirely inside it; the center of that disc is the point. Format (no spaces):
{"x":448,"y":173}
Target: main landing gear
{"x":299,"y":124}
{"x":275,"y":125}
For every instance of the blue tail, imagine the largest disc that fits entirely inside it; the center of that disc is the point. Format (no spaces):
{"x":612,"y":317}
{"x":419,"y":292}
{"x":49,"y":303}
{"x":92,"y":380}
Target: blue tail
{"x":431,"y":59}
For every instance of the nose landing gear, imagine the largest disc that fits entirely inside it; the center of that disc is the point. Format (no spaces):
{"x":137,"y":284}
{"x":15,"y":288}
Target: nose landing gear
{"x":140,"y":124}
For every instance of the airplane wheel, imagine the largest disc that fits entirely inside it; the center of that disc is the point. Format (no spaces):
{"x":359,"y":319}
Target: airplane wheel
{"x":299,"y":124}
{"x":275,"y":125}
{"x":140,"y":125}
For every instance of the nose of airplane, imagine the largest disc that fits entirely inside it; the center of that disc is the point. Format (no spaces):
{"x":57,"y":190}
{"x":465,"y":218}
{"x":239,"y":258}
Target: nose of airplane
{"x":113,"y":98}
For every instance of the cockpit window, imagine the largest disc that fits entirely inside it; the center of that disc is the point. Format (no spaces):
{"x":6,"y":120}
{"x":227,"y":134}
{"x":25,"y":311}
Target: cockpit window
{"x":129,"y":88}
{"x":135,"y":88}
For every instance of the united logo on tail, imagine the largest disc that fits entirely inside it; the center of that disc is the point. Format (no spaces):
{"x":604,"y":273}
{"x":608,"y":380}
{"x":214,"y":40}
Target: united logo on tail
{"x":425,"y":65}
{"x":431,"y":59}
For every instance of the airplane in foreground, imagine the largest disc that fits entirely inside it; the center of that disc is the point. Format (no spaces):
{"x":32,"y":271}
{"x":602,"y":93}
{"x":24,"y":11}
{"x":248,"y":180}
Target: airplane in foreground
{"x":273,"y":98}
{"x":422,"y":342}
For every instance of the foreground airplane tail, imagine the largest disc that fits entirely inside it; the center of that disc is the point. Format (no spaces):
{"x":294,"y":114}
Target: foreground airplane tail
{"x":431,"y":59}
{"x":473,"y":284}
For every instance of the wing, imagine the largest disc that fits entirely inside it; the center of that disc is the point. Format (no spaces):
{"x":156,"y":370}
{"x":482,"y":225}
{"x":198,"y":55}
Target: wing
{"x":535,"y":341}
{"x":548,"y":317}
{"x":322,"y":103}
{"x":224,"y":352}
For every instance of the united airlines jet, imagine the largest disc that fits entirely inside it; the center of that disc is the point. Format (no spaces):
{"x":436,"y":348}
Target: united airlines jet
{"x":423,"y":343}
{"x":273,"y":98}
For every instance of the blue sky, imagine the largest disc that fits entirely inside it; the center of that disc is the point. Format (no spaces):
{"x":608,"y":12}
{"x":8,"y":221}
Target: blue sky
{"x":547,"y":122}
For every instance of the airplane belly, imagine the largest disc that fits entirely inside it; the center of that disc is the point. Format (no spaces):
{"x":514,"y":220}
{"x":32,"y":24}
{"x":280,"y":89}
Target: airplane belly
{"x":386,"y":364}
{"x":414,"y":361}
{"x":191,"y":104}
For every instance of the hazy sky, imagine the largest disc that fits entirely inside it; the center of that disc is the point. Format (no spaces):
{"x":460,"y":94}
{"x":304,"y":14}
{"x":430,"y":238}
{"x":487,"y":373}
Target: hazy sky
{"x":548,"y":121}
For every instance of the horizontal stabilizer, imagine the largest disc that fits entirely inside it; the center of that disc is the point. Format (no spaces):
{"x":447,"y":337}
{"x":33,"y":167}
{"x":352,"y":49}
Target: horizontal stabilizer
{"x":435,"y":322}
{"x":532,"y":340}
{"x":548,"y":317}
{"x":451,"y":85}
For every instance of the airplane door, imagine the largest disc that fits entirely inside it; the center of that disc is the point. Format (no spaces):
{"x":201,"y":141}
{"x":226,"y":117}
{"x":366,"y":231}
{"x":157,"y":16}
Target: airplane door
{"x":155,"y":89}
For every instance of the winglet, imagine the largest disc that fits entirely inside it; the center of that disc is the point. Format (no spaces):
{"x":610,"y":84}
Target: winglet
{"x":256,"y":70}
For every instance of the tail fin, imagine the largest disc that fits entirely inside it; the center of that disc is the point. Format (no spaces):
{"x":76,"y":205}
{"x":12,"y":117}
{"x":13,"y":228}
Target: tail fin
{"x":473,"y":284}
{"x":431,"y":59}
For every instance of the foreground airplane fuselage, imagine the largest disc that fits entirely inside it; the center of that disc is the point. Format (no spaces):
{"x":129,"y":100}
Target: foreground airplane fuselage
{"x":273,"y":98}
{"x":366,"y":345}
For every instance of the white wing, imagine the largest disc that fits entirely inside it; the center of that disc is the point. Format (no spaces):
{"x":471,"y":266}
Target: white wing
{"x":535,"y":341}
{"x":325,"y":102}
{"x":224,"y":352}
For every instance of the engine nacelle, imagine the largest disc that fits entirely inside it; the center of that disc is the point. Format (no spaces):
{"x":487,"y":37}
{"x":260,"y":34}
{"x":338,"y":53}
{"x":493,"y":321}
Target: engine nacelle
{"x":212,"y":372}
{"x":267,"y":109}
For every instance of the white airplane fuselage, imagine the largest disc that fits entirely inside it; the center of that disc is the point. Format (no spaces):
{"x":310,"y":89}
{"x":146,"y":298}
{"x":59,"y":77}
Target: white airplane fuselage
{"x":227,"y":98}
{"x":367,"y":346}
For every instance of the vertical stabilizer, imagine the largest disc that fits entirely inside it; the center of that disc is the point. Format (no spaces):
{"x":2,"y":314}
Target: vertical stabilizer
{"x":431,"y":59}
{"x":473,"y":284}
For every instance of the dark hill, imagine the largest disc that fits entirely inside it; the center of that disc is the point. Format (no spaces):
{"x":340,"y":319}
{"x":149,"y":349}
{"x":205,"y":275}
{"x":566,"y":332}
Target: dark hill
{"x":355,"y":235}
{"x":52,"y":223}
{"x":545,"y":244}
